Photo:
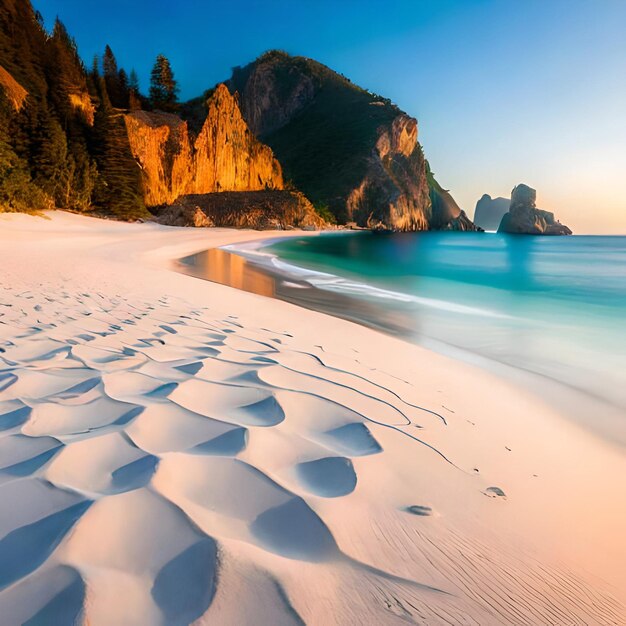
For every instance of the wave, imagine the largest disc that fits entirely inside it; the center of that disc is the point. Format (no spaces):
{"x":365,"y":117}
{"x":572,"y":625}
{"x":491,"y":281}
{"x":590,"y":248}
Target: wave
{"x":255,"y":253}
{"x":498,"y":342}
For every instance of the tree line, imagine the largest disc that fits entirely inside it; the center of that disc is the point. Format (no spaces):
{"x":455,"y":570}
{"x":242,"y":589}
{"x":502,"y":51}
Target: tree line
{"x":123,"y":89}
{"x":67,"y":147}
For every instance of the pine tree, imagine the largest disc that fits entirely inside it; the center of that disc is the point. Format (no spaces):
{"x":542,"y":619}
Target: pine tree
{"x":50,"y":158}
{"x":50,"y":155}
{"x":118,"y":189}
{"x":17,"y":190}
{"x":109,"y":64}
{"x":133,"y":82}
{"x":134,"y":97}
{"x":95,"y":67}
{"x":123,"y":86}
{"x":163,"y":86}
{"x":64,"y":168}
{"x":111,"y":75}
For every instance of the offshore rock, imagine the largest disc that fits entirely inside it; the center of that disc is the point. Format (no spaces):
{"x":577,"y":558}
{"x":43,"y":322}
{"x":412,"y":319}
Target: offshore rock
{"x":225,"y":156}
{"x":524,"y":217}
{"x":489,"y":211}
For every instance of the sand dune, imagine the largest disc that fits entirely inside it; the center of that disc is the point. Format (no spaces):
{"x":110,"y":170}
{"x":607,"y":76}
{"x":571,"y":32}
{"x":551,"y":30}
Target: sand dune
{"x":175,"y":452}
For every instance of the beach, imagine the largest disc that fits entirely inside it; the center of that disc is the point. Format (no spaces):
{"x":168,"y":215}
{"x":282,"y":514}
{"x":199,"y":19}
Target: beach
{"x":174,"y":450}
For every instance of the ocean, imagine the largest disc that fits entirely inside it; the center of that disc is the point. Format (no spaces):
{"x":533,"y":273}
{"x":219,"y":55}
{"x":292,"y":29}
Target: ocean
{"x":551,"y":307}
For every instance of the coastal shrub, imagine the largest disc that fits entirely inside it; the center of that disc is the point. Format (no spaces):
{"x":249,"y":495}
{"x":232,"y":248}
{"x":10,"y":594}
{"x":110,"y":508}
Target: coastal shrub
{"x":325,"y":213}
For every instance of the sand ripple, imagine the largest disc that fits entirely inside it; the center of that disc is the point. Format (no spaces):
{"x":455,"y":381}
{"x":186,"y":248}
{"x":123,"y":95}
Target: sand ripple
{"x":160,"y":465}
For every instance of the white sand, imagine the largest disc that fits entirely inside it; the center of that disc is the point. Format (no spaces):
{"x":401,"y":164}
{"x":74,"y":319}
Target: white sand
{"x":174,"y":450}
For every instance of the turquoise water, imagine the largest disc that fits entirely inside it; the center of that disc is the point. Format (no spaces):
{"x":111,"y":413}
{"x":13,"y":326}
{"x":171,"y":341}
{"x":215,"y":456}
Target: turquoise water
{"x":553,"y":306}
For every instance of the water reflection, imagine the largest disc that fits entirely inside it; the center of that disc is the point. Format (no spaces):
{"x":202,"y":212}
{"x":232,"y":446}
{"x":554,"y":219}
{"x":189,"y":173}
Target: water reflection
{"x":229,"y":269}
{"x":233,"y":270}
{"x":551,"y":307}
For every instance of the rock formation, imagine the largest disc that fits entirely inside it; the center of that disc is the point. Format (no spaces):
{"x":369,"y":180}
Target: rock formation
{"x":489,"y":211}
{"x":81,"y":101}
{"x":160,"y":144}
{"x":261,"y":210}
{"x":15,"y":93}
{"x":446,"y":213}
{"x":347,"y":149}
{"x":225,"y":156}
{"x":183,"y":214}
{"x":525,"y":218}
{"x":394,"y":188}
{"x":70,"y":142}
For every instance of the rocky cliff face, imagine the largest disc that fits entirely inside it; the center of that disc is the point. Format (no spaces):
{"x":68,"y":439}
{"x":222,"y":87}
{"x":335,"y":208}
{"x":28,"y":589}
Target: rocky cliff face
{"x":347,"y":149}
{"x":525,"y":218}
{"x":270,"y":96}
{"x":225,"y":156}
{"x":261,"y":210}
{"x":446,"y":214}
{"x":393,"y":192}
{"x":15,"y":93}
{"x":489,"y":211}
{"x":81,"y":101}
{"x":161,"y":145}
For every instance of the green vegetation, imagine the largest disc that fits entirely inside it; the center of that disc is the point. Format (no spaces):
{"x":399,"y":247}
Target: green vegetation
{"x":115,"y":80}
{"x":325,"y":213}
{"x":118,"y":190}
{"x":163,"y":87}
{"x":17,"y":190}
{"x":134,"y":95}
{"x":66,"y":146}
{"x":325,"y":145}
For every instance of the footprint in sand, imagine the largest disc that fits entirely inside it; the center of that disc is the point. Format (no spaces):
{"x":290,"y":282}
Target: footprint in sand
{"x":494,"y":492}
{"x":417,"y":509}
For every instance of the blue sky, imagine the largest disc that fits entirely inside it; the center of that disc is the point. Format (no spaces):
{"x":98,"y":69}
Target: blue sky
{"x":505,"y":91}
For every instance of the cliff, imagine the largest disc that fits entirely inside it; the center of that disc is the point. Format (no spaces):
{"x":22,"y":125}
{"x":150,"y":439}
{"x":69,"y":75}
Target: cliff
{"x":160,"y":144}
{"x":76,"y":140}
{"x":489,"y":211}
{"x":393,"y":191}
{"x":225,"y":156}
{"x":261,"y":210}
{"x":525,"y":218}
{"x":14,"y":92}
{"x":347,"y":149}
{"x":446,"y":214}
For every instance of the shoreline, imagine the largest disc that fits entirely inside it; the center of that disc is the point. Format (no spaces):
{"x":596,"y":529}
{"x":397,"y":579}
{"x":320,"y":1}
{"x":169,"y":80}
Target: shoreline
{"x":268,"y":275}
{"x":445,"y":439}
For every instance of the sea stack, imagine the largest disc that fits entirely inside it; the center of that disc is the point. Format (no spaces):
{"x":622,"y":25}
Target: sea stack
{"x":524,"y":218}
{"x":489,"y":211}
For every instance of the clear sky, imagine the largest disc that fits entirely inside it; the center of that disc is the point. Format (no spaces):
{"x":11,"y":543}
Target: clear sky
{"x":505,"y":91}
